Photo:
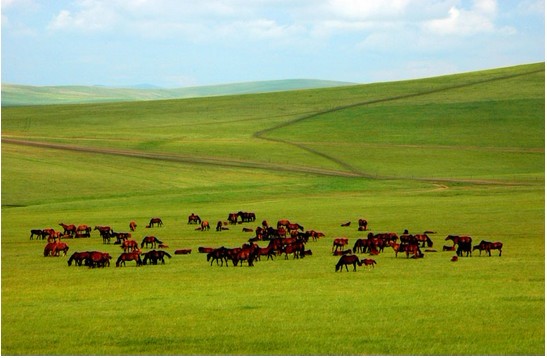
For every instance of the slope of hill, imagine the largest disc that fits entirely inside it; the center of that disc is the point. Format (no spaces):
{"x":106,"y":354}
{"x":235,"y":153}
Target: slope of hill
{"x":21,"y":95}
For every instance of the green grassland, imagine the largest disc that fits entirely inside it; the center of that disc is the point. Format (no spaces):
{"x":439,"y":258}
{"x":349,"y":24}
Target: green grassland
{"x":461,"y":154}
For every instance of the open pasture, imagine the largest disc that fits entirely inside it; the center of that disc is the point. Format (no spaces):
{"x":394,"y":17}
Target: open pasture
{"x":455,"y":155}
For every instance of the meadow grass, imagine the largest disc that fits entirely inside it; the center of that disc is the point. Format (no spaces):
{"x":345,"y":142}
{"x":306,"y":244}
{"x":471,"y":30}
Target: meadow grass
{"x":476,"y":306}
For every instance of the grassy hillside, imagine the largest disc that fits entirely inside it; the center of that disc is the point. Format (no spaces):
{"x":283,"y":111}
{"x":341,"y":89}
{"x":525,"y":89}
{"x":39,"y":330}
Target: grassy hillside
{"x":21,"y":95}
{"x":459,"y":154}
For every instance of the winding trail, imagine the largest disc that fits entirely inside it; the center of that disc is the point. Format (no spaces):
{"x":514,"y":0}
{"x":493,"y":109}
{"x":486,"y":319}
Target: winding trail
{"x":347,"y":170}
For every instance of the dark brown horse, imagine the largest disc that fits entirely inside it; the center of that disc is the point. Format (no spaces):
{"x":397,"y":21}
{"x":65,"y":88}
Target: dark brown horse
{"x":363,"y":223}
{"x":155,"y":221}
{"x":488,"y":246}
{"x":232,"y":218}
{"x":78,"y":258}
{"x":194,"y":219}
{"x":69,"y":229}
{"x":155,"y":256}
{"x":40,"y":234}
{"x":348,"y":260}
{"x":150,"y":240}
{"x":463,"y":243}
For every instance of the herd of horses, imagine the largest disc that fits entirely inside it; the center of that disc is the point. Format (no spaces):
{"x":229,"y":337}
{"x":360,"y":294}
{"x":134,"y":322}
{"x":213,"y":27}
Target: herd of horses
{"x":286,"y":238}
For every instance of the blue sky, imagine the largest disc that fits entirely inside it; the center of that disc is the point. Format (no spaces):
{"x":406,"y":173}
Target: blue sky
{"x":177,"y":43}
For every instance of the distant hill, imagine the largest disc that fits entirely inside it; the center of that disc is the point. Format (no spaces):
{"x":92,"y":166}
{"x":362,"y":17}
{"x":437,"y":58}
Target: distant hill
{"x":22,"y":95}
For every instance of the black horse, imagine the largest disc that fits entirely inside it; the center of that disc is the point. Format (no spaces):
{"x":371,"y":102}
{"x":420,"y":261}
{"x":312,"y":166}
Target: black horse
{"x":155,"y":256}
{"x":348,"y":260}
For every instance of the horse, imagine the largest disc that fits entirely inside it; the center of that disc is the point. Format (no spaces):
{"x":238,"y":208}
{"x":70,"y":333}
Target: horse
{"x":246,"y":217}
{"x":244,"y":255}
{"x":362,"y":225}
{"x":129,"y":256}
{"x":315,"y":234}
{"x":205,"y":226}
{"x":283,"y":222}
{"x":150,"y":240}
{"x":183,"y":251}
{"x":463,"y":242}
{"x":55,"y":248}
{"x":39,"y":234}
{"x":449,"y":248}
{"x":194,"y":219}
{"x":368,"y":262}
{"x":78,"y":258}
{"x":83,"y":230}
{"x":205,"y":250}
{"x":98,"y":259}
{"x":346,"y":224}
{"x":360,"y":245}
{"x":398,"y":247}
{"x":129,"y":244}
{"x":339,"y":243}
{"x":156,"y":221}
{"x":218,"y":254}
{"x":342,"y":253}
{"x":155,"y":256}
{"x":413,"y":249}
{"x":487,"y":246}
{"x":69,"y":229}
{"x":348,"y":260}
{"x":132,"y":226}
{"x":423,"y":238}
{"x":265,"y":251}
{"x":232,"y":218}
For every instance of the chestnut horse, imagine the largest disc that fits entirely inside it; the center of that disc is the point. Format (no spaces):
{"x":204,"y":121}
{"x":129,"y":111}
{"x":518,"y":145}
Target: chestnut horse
{"x":78,"y":258}
{"x":98,"y":259}
{"x":132,"y":226}
{"x":339,"y":243}
{"x":369,"y":262}
{"x":129,"y":245}
{"x":129,"y":256}
{"x":150,"y":240}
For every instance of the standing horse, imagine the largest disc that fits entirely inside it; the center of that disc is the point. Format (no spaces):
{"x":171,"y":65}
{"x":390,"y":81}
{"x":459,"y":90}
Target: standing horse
{"x":194,"y":219}
{"x":339,"y":243}
{"x":150,"y":240}
{"x":362,"y":225}
{"x":155,"y":221}
{"x":155,"y":256}
{"x":69,"y":229}
{"x":487,"y":246}
{"x":132,"y":226}
{"x":348,"y":260}
{"x":129,"y":256}
{"x":78,"y":258}
{"x":130,"y":245}
{"x":369,"y":262}
{"x":98,"y":259}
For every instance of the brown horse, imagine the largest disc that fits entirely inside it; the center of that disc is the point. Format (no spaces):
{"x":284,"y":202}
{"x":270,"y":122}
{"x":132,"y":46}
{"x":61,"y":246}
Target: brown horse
{"x":130,"y":245}
{"x":339,"y":243}
{"x":194,"y":219}
{"x":129,"y":256}
{"x":488,"y":246}
{"x":232,"y":218}
{"x":348,"y":260}
{"x":155,"y":221}
{"x":205,"y":226}
{"x":132,"y":226}
{"x":78,"y":258}
{"x":98,"y":259}
{"x":69,"y":229}
{"x":463,"y":242}
{"x":369,"y":262}
{"x":363,"y":223}
{"x":55,"y":248}
{"x":183,"y":251}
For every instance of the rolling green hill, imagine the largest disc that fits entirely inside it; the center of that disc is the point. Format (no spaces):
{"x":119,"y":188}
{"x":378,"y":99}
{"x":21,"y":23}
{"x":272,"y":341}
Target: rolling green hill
{"x":451,"y":155}
{"x":20,"y":95}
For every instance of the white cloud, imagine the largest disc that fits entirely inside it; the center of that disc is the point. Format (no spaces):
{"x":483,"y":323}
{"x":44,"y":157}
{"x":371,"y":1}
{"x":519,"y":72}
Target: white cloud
{"x":480,"y":18}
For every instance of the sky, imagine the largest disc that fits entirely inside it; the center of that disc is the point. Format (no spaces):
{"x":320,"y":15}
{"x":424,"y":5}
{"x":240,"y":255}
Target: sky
{"x":180,"y":43}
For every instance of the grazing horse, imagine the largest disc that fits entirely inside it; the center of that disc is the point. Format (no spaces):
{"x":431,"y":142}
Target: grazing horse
{"x":132,"y":226}
{"x":348,"y":260}
{"x":150,"y":240}
{"x":424,"y":239}
{"x":78,"y":258}
{"x":339,"y":243}
{"x":369,"y":262}
{"x":98,"y":259}
{"x":246,"y":217}
{"x":232,"y":218}
{"x":205,"y":226}
{"x":361,"y":245}
{"x":244,"y":255}
{"x":463,"y":242}
{"x":155,"y":221}
{"x":265,"y":251}
{"x":129,"y":256}
{"x":155,"y":256}
{"x":55,"y":248}
{"x":194,"y":219}
{"x":130,"y":245}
